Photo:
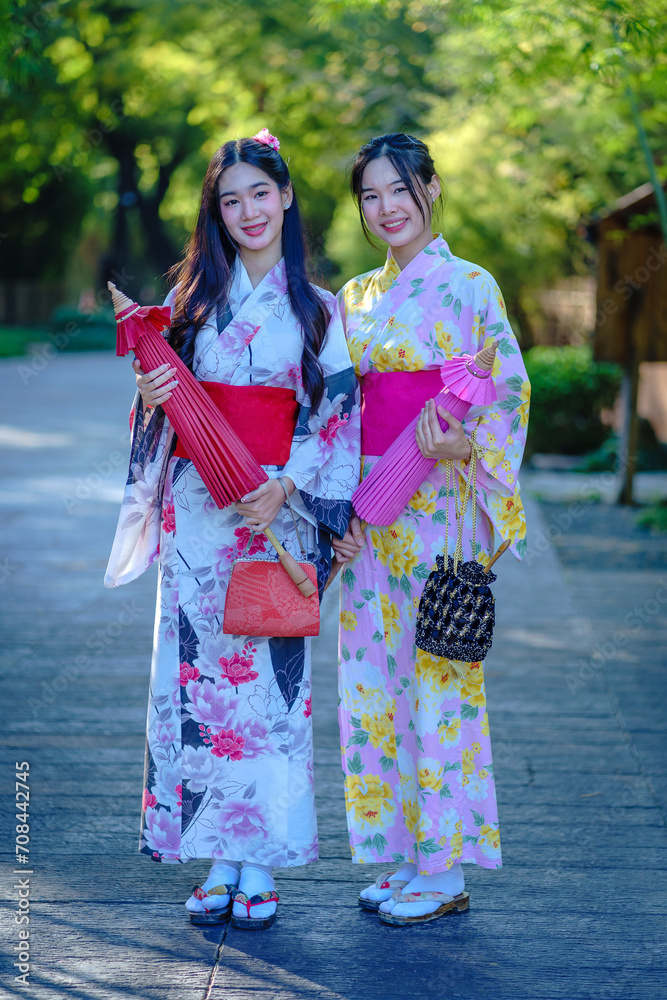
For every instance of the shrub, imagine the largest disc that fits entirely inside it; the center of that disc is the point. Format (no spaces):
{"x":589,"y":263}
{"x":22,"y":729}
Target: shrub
{"x":568,"y":392}
{"x":76,"y":331}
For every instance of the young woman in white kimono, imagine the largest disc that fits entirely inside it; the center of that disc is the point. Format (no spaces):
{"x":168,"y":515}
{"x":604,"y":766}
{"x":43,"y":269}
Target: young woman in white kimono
{"x":229,"y":772}
{"x":419,"y":783}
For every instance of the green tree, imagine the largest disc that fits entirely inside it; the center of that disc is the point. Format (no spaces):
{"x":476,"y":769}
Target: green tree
{"x":127,"y":101}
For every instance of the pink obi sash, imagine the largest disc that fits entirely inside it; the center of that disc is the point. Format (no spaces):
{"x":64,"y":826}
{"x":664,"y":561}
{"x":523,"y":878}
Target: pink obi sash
{"x":389,"y":401}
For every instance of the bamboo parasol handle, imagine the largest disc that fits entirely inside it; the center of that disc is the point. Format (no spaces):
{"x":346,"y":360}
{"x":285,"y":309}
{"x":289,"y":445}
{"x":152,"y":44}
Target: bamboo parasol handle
{"x":503,"y":548}
{"x":291,"y":566}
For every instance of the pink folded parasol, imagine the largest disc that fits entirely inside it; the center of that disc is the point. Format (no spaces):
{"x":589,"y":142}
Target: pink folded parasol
{"x":382,"y":495}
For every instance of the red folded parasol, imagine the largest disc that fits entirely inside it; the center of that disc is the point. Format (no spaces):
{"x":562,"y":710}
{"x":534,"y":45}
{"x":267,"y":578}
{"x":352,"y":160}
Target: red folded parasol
{"x":382,"y":495}
{"x":222,"y":460}
{"x":227,"y":467}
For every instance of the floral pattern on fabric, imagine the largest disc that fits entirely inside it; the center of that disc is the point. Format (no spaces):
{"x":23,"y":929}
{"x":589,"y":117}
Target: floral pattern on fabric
{"x":419,"y":782}
{"x":229,"y":766}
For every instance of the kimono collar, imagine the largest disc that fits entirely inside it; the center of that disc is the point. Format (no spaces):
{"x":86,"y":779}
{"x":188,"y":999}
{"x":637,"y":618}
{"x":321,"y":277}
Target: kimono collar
{"x":241,"y":289}
{"x":391,"y":272}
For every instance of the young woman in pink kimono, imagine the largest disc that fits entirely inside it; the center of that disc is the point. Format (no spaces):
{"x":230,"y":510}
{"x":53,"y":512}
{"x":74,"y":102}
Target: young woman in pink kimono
{"x":229,"y":738}
{"x":419,"y":781}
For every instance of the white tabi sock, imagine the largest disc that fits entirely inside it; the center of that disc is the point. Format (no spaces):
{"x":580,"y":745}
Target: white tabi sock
{"x":255,"y":879}
{"x":221,"y":873}
{"x":450,"y":882}
{"x":407,"y":871}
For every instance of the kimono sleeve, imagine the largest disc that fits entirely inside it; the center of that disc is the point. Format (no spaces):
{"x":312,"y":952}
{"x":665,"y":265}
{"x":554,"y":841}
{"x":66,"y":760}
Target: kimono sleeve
{"x":501,"y":434}
{"x":136,"y":542}
{"x":325,"y":456}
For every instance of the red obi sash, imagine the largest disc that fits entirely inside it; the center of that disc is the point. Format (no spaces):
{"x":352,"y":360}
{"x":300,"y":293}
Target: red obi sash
{"x":263,"y":416}
{"x":389,"y":402}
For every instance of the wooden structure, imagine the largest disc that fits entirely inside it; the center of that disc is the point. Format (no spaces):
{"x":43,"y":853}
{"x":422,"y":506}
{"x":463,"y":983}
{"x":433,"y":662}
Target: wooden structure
{"x":631,"y":313}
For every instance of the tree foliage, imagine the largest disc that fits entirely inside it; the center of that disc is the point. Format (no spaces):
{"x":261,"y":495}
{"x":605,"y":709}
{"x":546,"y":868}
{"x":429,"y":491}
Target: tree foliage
{"x":113,"y":107}
{"x":127,"y":101}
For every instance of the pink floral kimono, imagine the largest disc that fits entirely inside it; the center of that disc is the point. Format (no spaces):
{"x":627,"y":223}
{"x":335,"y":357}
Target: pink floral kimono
{"x":419,"y":782}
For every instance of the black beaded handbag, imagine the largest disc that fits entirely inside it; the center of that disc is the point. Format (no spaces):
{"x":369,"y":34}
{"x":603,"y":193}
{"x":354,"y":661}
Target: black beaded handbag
{"x":456,"y":612}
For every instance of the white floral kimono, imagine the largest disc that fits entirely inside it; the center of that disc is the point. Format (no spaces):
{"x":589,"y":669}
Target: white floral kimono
{"x":229,"y":770}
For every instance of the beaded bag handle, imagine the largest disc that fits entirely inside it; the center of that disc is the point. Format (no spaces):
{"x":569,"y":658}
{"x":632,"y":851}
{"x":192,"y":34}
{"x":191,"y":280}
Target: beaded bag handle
{"x":460,"y":509}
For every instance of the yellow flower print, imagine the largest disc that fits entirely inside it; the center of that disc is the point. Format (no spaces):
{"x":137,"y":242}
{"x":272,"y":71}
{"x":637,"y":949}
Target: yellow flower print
{"x":447,"y":337}
{"x":456,"y":843}
{"x":424,"y":500}
{"x":472,"y":685}
{"x":484,"y":727}
{"x":378,"y":727}
{"x":489,"y":840}
{"x":389,"y":747}
{"x":416,"y":821}
{"x":450,"y":731}
{"x":435,"y":671}
{"x":348,"y":620}
{"x":524,"y":396}
{"x":396,"y":548}
{"x":430,"y":774}
{"x":386,"y":276}
{"x":369,"y":799}
{"x":509,"y":516}
{"x":468,"y":762}
{"x":398,"y":357}
{"x":391,"y":619}
{"x":356,"y":349}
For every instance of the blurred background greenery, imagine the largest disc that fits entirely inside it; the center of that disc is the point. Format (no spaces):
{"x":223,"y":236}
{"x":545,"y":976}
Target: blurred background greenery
{"x":112,"y":108}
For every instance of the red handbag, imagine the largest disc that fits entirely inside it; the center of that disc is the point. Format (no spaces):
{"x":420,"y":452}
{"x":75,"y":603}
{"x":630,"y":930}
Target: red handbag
{"x":262,"y":600}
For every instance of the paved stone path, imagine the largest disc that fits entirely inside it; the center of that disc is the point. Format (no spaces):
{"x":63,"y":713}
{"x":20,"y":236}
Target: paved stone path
{"x":576,"y":684}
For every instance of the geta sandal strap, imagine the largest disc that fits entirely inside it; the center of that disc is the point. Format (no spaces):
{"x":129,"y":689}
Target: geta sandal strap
{"x":218,"y":890}
{"x":383,"y":881}
{"x":270,"y":896}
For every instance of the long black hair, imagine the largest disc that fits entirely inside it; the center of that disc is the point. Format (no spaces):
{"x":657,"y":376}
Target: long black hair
{"x":204,"y":274}
{"x":412,"y":161}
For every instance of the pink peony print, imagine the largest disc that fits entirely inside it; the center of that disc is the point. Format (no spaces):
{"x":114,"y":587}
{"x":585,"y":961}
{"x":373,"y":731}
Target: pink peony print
{"x":168,"y":518}
{"x":256,"y":734}
{"x":237,"y":669}
{"x":149,"y":801}
{"x":244,"y":535}
{"x":162,"y":830}
{"x":188,"y":673}
{"x":242,"y":820}
{"x":221,"y":560}
{"x":334,"y":424}
{"x":211,"y":704}
{"x":179,"y":792}
{"x":308,"y":710}
{"x":209,"y":604}
{"x":226,"y":743}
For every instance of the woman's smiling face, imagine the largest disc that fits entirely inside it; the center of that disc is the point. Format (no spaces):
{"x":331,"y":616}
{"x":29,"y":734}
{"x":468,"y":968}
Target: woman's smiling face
{"x":389,"y":208}
{"x":252,"y":206}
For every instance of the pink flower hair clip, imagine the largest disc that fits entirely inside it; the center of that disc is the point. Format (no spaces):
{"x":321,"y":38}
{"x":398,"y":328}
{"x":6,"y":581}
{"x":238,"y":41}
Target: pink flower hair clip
{"x":265,"y":137}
